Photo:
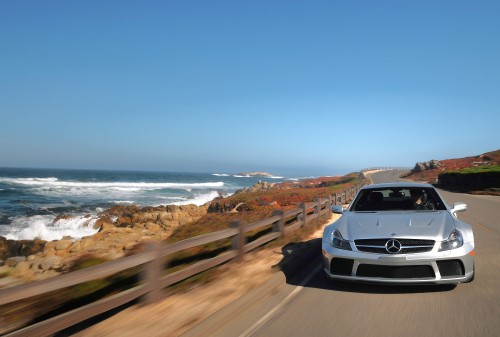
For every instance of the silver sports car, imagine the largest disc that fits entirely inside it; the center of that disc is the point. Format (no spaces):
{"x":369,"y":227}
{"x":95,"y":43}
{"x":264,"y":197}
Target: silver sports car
{"x":399,"y":233}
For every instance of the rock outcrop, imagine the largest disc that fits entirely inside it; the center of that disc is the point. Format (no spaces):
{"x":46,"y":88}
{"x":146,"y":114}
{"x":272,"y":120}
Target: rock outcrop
{"x":255,"y":174}
{"x":122,"y":228}
{"x":260,"y":186}
{"x":428,"y":165}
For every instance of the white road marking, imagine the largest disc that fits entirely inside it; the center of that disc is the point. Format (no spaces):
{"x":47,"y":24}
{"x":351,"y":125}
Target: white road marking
{"x":274,"y":311}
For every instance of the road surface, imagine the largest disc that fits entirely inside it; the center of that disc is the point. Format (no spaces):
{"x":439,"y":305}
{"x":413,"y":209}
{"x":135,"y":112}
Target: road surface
{"x":312,"y":305}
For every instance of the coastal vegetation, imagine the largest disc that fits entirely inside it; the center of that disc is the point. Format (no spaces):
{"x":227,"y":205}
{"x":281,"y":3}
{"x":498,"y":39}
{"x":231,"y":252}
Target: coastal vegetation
{"x":475,"y":170}
{"x":260,"y":202}
{"x":477,"y":174}
{"x":477,"y":179}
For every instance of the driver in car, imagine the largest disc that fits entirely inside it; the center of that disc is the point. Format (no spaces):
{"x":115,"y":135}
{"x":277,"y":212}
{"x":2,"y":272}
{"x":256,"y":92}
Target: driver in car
{"x":419,"y":199}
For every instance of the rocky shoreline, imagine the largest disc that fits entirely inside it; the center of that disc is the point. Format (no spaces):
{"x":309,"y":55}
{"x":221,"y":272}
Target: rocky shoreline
{"x":122,"y":230}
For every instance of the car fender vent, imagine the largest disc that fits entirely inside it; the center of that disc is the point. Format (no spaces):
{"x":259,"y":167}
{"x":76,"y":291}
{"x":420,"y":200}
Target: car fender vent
{"x":451,"y":268}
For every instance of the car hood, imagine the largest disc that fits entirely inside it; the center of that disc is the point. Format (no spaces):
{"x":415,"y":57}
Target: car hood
{"x":435,"y":225}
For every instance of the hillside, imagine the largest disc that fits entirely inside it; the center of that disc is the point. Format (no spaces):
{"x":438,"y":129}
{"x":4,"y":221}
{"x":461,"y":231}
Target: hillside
{"x":468,"y":170}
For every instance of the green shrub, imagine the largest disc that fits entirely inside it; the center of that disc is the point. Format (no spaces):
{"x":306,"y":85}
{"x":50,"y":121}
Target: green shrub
{"x":472,"y":178}
{"x":476,"y":169}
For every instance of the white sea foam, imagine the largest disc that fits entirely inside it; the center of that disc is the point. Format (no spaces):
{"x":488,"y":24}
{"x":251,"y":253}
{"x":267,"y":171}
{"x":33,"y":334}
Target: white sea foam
{"x":45,"y":228}
{"x":198,"y":200}
{"x":123,"y":201}
{"x":55,"y":183}
{"x":220,"y":174}
{"x":240,"y":176}
{"x":51,"y":179}
{"x":130,"y":189}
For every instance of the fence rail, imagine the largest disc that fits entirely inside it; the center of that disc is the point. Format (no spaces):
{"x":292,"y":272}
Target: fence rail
{"x":152,"y":263}
{"x":386,"y":168}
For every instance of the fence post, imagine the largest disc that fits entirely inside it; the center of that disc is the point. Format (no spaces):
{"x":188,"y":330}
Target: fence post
{"x":335,"y":198}
{"x":317,"y":205}
{"x":279,"y":226}
{"x":304,"y":213}
{"x":239,"y":240}
{"x":329,"y":204}
{"x":152,"y":272}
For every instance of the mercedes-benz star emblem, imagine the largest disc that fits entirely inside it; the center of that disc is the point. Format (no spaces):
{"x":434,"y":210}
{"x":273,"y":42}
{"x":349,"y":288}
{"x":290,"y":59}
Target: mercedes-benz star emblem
{"x":393,"y":246}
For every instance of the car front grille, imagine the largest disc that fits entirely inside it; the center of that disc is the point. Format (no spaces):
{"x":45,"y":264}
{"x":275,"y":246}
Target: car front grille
{"x":372,"y":270}
{"x":408,"y":246}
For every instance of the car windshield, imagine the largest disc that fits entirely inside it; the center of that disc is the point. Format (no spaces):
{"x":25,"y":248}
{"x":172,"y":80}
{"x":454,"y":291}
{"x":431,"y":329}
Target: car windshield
{"x":398,"y":199}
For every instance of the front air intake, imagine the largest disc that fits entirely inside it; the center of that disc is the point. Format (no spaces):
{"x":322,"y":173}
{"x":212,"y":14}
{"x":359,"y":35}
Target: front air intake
{"x":451,"y":268}
{"x":341,"y":266}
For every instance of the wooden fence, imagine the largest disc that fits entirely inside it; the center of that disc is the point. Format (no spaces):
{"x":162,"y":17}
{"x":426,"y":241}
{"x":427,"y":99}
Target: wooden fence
{"x":152,"y":264}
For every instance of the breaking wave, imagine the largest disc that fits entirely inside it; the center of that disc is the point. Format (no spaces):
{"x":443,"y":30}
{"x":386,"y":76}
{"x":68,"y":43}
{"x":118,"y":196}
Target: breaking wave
{"x":46,"y":228}
{"x":56,"y":183}
{"x":33,"y":198}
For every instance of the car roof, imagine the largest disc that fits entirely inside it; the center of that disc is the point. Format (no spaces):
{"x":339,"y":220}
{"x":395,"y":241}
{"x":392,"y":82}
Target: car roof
{"x":402,"y":184}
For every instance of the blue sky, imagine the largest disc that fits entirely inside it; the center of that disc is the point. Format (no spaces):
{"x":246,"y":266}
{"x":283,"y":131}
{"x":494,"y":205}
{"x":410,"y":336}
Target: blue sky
{"x":290,"y":87}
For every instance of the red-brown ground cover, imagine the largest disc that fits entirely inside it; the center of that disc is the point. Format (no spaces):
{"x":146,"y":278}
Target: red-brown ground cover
{"x":447,"y":165}
{"x":258,"y":205}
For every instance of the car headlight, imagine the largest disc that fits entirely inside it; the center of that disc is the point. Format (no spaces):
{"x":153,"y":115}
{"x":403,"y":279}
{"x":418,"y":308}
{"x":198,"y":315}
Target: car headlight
{"x":455,"y":240}
{"x":339,"y":242}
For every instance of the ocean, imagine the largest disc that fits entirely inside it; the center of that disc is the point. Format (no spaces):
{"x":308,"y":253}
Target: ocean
{"x":32,"y":199}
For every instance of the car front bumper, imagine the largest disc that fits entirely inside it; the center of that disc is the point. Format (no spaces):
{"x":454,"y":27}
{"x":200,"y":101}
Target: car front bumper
{"x":447,"y":267}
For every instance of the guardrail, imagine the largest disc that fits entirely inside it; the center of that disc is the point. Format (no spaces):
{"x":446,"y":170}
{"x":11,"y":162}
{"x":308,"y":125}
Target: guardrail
{"x":153,"y":264}
{"x":386,"y":168}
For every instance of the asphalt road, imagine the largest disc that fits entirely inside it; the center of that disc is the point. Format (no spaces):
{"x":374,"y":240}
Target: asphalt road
{"x":312,"y":305}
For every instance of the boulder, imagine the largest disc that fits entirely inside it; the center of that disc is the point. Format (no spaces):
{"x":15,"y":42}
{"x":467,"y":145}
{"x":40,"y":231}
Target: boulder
{"x":260,"y":186}
{"x":104,"y":221}
{"x":428,"y":165}
{"x":52,"y":263}
{"x":4,"y":248}
{"x":22,"y":269}
{"x":63,"y":244}
{"x":30,"y":247}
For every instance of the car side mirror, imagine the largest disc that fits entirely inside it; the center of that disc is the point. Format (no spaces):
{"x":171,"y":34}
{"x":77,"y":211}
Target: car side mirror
{"x":458,"y":207}
{"x":337,"y":209}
